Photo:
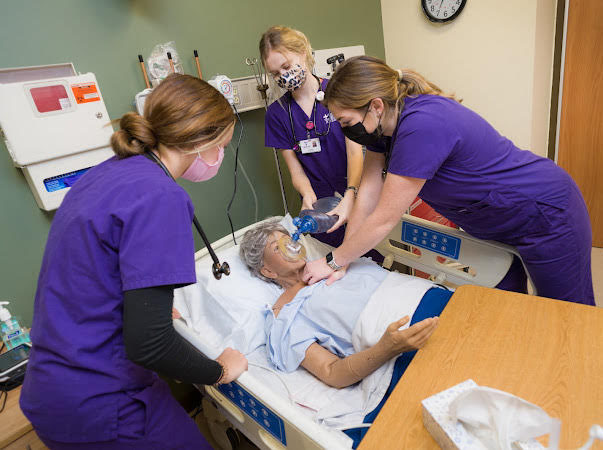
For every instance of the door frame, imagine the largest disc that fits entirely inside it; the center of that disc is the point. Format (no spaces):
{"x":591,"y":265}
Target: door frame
{"x":565,"y":4}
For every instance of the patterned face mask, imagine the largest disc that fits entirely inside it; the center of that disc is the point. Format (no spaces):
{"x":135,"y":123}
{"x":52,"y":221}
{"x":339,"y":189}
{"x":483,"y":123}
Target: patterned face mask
{"x":292,"y":79}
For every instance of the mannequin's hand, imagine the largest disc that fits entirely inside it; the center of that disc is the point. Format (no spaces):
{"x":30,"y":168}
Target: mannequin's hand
{"x":398,"y":341}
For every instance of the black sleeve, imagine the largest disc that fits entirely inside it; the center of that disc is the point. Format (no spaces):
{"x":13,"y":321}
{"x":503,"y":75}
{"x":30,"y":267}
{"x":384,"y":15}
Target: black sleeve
{"x":152,"y":342}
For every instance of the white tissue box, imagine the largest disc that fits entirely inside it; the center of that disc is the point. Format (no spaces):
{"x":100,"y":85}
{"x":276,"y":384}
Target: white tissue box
{"x":450,"y":434}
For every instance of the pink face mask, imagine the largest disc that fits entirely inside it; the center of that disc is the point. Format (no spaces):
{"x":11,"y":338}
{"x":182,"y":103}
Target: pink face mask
{"x":199,"y":170}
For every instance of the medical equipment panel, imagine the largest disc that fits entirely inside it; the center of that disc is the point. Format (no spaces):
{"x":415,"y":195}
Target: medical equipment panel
{"x":474,"y":261}
{"x":326,"y":60}
{"x":255,"y":409}
{"x":223,"y":84}
{"x":437,"y":242}
{"x":246,"y":94}
{"x":468,"y":259}
{"x":55,"y":126}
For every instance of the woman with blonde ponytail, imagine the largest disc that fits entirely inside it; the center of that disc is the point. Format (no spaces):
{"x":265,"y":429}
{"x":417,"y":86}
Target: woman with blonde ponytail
{"x":119,"y":245}
{"x":423,"y":142}
{"x":321,"y":161}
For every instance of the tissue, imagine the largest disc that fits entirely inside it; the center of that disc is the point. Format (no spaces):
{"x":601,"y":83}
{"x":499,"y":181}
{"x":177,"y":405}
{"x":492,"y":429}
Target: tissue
{"x":471,"y":417}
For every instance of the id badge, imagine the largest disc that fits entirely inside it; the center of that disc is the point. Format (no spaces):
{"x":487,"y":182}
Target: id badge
{"x":309,"y":146}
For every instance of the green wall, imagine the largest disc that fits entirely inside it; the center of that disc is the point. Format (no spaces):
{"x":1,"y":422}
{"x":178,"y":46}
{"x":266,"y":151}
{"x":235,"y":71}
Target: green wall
{"x":105,"y":37}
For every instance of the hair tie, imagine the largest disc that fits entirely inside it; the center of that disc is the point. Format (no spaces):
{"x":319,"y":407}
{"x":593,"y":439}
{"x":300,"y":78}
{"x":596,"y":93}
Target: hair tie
{"x":400,"y":75}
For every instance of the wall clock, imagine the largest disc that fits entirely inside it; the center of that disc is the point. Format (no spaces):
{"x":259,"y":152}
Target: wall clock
{"x":442,"y":10}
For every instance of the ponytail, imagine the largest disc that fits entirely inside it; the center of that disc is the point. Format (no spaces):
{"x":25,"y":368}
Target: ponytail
{"x":411,"y":84}
{"x":359,"y":80}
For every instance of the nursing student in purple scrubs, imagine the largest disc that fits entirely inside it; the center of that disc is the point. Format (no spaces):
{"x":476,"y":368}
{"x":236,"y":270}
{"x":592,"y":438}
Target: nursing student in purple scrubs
{"x":119,"y":245}
{"x":320,"y":159}
{"x":426,"y":143}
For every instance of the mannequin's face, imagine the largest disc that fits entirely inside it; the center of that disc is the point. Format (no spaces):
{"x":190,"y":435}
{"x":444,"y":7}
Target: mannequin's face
{"x":275,"y":264}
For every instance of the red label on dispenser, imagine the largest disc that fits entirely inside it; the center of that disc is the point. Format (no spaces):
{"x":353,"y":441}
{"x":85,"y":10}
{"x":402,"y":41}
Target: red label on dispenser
{"x":85,"y":92}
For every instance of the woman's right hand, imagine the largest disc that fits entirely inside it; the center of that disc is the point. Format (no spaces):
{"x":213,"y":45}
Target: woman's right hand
{"x":234,"y":363}
{"x":398,"y":341}
{"x":308,"y":200}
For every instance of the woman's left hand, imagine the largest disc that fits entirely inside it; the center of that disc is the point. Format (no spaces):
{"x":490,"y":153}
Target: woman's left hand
{"x":319,"y":270}
{"x":343,"y":210}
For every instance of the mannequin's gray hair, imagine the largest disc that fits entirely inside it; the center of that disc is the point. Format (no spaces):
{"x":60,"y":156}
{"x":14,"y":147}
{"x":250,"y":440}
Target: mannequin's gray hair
{"x":253,"y":244}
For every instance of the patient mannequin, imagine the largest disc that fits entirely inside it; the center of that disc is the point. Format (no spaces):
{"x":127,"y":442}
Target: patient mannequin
{"x":260,"y":251}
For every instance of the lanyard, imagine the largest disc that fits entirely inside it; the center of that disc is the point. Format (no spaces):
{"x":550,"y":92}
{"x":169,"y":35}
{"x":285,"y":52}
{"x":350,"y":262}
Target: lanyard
{"x":310,"y":125}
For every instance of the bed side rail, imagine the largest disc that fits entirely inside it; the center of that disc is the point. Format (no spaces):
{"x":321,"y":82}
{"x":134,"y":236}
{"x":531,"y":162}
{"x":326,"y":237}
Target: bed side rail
{"x":447,"y":253}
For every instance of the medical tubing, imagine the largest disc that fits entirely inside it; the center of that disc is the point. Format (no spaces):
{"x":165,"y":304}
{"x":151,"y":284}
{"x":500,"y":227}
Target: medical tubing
{"x":275,"y":373}
{"x":255,"y":196}
{"x":234,"y":192}
{"x":213,"y":255}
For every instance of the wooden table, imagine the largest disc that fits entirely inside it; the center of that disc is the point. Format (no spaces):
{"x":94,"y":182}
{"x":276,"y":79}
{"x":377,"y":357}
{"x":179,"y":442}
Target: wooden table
{"x":16,"y":432}
{"x":547,"y":352}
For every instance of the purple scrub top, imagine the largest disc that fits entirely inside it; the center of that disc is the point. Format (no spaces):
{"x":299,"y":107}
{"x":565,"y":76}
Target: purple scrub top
{"x":327,"y":169}
{"x":493,"y":190}
{"x":475,"y":177}
{"x":124,"y":225}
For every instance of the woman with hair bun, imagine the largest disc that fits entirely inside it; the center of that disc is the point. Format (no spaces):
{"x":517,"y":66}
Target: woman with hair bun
{"x":119,"y":245}
{"x":423,"y":142}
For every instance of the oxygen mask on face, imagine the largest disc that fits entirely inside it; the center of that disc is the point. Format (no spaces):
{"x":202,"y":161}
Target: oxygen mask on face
{"x":291,"y":250}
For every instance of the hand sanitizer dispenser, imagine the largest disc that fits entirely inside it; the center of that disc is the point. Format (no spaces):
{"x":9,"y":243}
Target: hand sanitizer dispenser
{"x":12,"y":333}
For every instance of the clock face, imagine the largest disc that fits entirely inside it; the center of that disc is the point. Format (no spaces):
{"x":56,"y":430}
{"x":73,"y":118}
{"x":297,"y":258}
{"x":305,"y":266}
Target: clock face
{"x":442,"y":10}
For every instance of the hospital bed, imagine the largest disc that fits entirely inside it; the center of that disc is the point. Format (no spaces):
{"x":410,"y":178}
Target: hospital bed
{"x":260,"y":403}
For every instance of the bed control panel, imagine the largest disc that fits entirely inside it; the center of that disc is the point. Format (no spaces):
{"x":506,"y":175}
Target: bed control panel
{"x":437,"y":242}
{"x":255,"y":409}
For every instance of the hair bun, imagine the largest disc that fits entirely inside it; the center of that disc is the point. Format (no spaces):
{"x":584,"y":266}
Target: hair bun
{"x":135,"y":136}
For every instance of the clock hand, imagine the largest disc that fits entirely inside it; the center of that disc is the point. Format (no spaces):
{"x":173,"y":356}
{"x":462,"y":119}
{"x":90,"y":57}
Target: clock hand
{"x":440,"y":7}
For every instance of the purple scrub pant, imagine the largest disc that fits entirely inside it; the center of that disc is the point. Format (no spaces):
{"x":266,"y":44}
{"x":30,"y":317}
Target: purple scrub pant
{"x":150,"y":419}
{"x":559,"y":258}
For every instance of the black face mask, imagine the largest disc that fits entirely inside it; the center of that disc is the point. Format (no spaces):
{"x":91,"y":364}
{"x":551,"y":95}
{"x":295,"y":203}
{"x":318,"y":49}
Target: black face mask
{"x":358,"y":133}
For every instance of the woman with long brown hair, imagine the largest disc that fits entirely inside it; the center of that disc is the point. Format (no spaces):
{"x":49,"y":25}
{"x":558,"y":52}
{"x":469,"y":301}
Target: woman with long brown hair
{"x":425,"y":143}
{"x":119,"y":245}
